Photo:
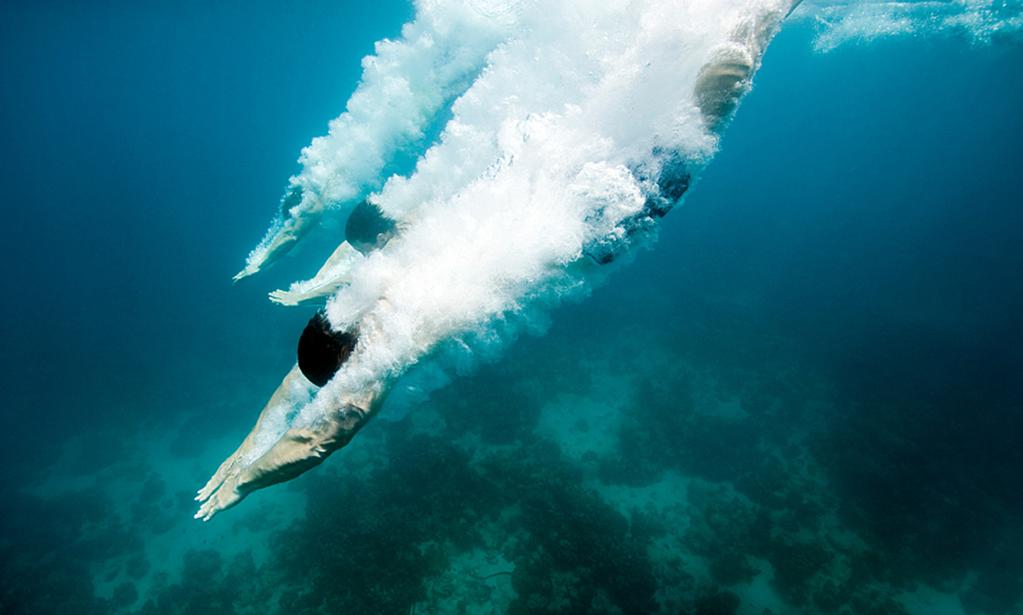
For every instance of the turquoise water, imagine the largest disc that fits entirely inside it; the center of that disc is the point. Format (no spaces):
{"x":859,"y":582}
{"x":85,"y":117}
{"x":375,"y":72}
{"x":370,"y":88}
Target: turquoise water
{"x":804,"y":398}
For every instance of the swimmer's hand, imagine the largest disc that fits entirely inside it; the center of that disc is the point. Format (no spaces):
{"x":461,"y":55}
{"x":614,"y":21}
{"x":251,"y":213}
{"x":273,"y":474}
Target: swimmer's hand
{"x":249,"y":269}
{"x":282,"y":241}
{"x":334,"y":274}
{"x":298,"y":450}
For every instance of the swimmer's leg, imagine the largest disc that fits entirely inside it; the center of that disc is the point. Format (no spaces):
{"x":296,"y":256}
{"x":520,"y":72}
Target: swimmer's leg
{"x":293,"y":389}
{"x":727,"y":77}
{"x":297,"y":451}
{"x":334,"y":274}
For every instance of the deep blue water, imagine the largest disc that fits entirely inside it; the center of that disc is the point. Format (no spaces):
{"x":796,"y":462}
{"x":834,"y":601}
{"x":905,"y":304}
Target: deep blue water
{"x":849,"y":271}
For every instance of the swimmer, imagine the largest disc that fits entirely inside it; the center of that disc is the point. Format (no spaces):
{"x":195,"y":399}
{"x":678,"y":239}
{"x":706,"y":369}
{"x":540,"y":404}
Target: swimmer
{"x":406,"y":84}
{"x":367,"y":230}
{"x":344,"y":370}
{"x":721,"y":83}
{"x":321,"y":353}
{"x":728,"y":76}
{"x":298,"y":215}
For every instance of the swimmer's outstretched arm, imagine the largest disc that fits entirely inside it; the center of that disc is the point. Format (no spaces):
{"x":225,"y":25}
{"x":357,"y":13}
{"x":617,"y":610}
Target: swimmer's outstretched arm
{"x":298,"y":450}
{"x":283,"y":239}
{"x":404,"y":87}
{"x":334,"y":274}
{"x":367,"y":230}
{"x":291,"y":391}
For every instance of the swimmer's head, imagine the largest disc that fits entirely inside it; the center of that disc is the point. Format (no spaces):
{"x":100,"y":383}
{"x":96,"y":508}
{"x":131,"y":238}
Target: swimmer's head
{"x":368,"y":228}
{"x":322,"y":351}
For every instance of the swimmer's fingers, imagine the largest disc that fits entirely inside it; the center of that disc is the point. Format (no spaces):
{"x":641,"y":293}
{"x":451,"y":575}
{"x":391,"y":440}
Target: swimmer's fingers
{"x":276,"y":246}
{"x":284,"y":297}
{"x":333,"y":275}
{"x":291,"y":298}
{"x":217,"y":479}
{"x":246,"y":272}
{"x":227,"y":496}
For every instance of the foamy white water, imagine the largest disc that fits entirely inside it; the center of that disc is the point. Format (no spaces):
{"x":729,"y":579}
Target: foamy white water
{"x":979,"y":21}
{"x":557,"y":146}
{"x":555,"y":150}
{"x":404,"y":85}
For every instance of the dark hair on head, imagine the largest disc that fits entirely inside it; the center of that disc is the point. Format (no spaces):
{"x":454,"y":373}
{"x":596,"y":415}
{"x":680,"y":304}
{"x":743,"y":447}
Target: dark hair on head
{"x":322,"y":351}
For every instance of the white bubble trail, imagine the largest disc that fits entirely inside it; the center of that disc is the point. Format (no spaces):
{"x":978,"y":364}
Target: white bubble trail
{"x":557,"y":145}
{"x":978,"y":21}
{"x":404,"y":86}
{"x":586,"y":120}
